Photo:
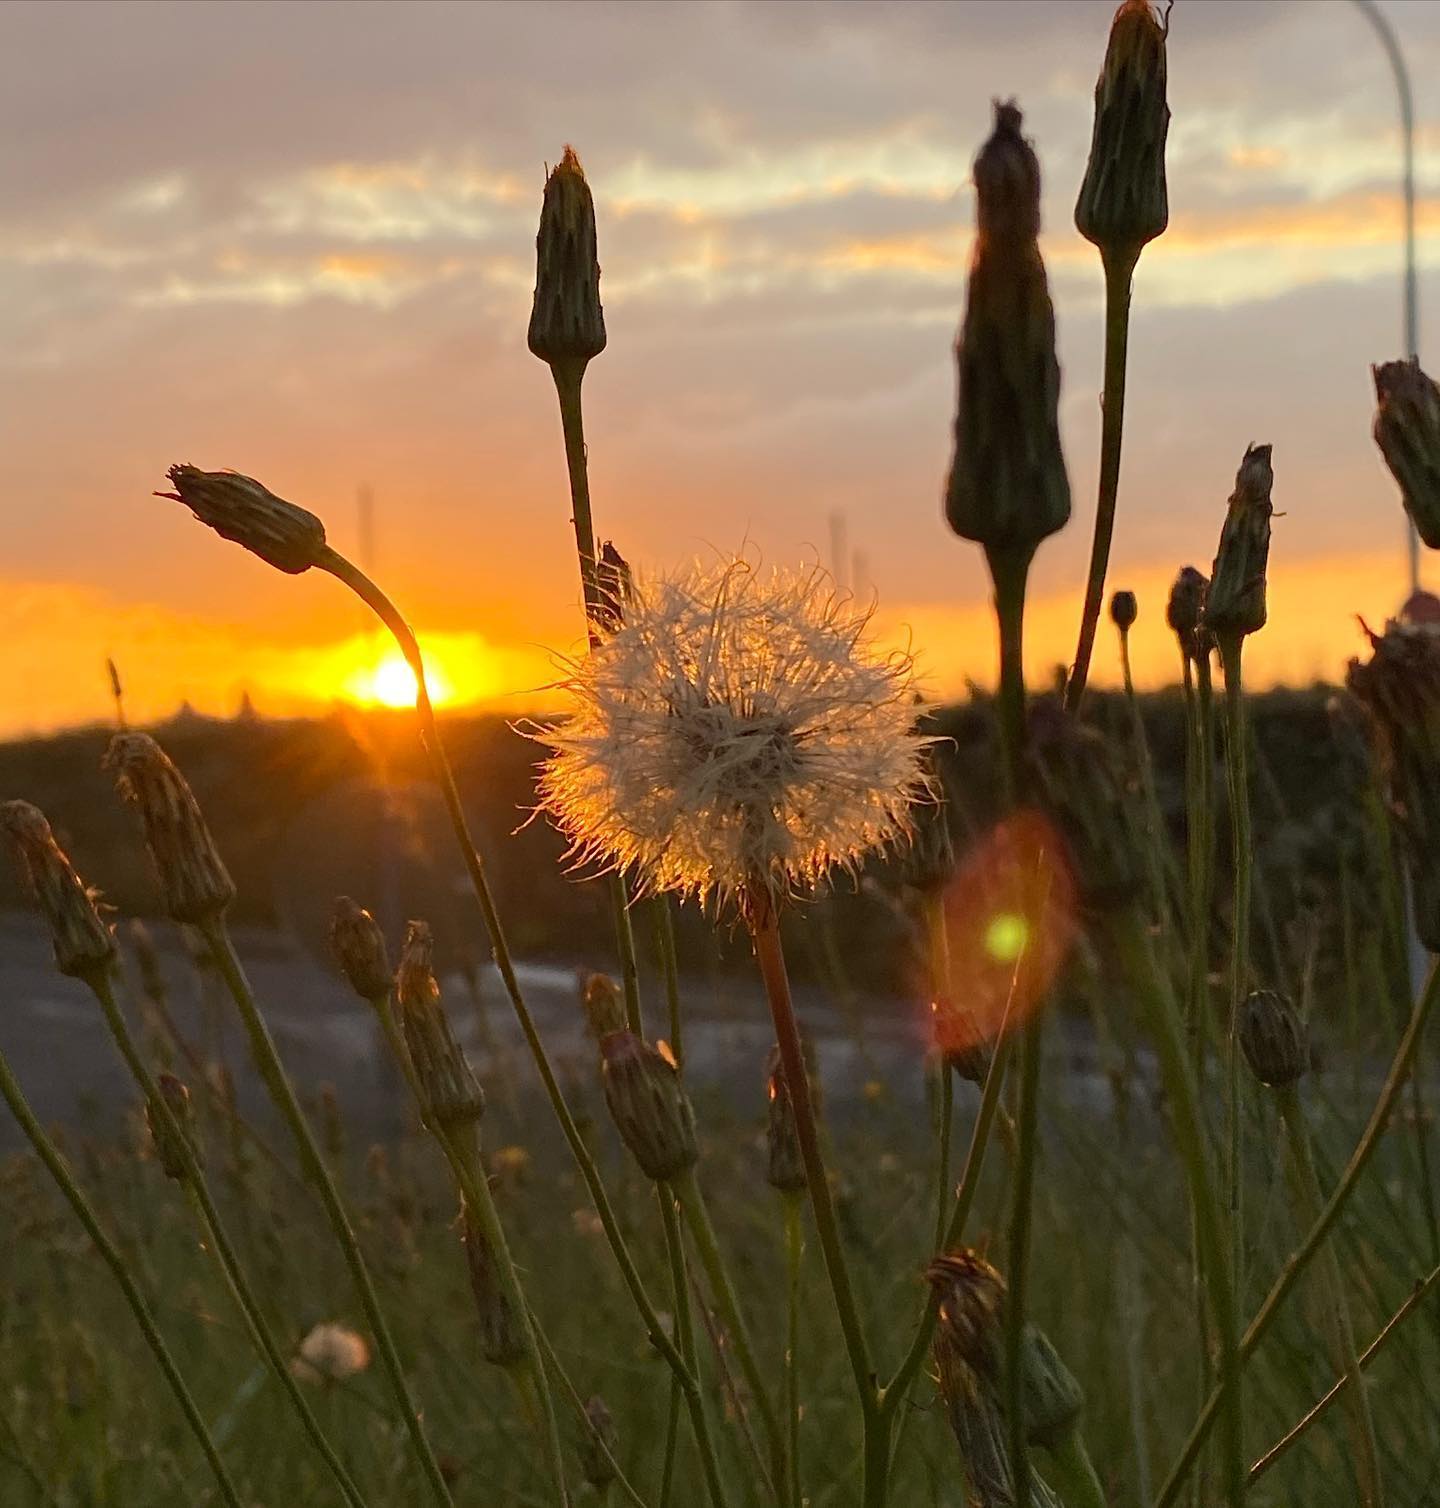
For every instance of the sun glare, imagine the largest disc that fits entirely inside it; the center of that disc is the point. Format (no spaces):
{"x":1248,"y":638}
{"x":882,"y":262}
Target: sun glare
{"x":388,"y":681}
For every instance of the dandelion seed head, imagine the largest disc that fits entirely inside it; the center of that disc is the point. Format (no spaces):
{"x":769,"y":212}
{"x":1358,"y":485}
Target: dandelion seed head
{"x":738,"y":738}
{"x":330,"y":1353}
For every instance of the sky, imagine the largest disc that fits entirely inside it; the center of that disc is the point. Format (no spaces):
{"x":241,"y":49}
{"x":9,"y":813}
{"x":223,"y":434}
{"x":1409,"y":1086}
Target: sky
{"x":298,"y":240}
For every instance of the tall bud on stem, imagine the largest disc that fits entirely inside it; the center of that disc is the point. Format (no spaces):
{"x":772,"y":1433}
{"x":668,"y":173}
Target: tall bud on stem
{"x":1407,"y":430}
{"x":567,"y":323}
{"x":241,"y":509}
{"x":83,"y":943}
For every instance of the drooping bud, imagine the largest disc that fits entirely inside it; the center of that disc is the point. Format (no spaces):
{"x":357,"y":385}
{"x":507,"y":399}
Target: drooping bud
{"x":1079,"y":789}
{"x":1007,"y":489}
{"x":615,"y":586}
{"x":1272,"y":1038}
{"x":649,"y":1105}
{"x":1124,"y":610}
{"x":241,"y":509}
{"x":194,"y":883}
{"x":784,"y":1162}
{"x":359,"y":948}
{"x":603,"y":1005}
{"x":82,"y":942}
{"x":597,"y":1449}
{"x":961,"y":1041}
{"x":1407,"y":430}
{"x":502,"y":1343}
{"x":567,"y":322}
{"x":1123,"y":201}
{"x":1186,"y":609}
{"x":970,"y":1320}
{"x":1051,"y":1397}
{"x":169,"y":1154}
{"x":449,"y":1093}
{"x":1235,"y":603}
{"x":1400,"y":688}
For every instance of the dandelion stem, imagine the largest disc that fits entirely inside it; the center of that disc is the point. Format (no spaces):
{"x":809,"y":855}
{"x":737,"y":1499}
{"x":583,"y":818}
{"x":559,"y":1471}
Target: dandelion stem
{"x":794,"y":1254}
{"x":268,"y":1065}
{"x":59,"y":1170}
{"x":1119,"y":272}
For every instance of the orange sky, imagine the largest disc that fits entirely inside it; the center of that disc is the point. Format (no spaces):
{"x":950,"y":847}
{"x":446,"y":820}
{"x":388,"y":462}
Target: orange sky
{"x":333,"y":292}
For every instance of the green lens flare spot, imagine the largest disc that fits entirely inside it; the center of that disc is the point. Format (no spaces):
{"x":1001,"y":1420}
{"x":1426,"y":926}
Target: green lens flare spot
{"x":1006,"y":936}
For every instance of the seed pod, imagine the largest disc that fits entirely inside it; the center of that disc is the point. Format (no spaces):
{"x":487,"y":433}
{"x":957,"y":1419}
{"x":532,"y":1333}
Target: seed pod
{"x":1186,"y":608}
{"x":168,"y":1153}
{"x":82,"y":942}
{"x":194,"y":883}
{"x":1407,"y":430}
{"x":449,"y":1093}
{"x":784,"y":1165}
{"x":1051,"y":1397}
{"x":1124,"y":610}
{"x":597,"y":1449}
{"x":1123,"y":201}
{"x":1235,"y":603}
{"x":241,"y":509}
{"x":1007,"y":489}
{"x":649,"y":1105}
{"x":604,"y":1008}
{"x":1272,"y":1039}
{"x":502,"y":1342}
{"x":567,"y":322}
{"x":971,"y":1313}
{"x":359,"y":948}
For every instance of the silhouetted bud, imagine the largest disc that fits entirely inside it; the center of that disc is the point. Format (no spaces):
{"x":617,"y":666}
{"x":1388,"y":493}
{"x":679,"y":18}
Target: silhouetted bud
{"x":603,"y":1005}
{"x":958,"y":1037}
{"x":567,"y":322}
{"x":1400,"y":688}
{"x":1186,"y":608}
{"x":449,"y":1093}
{"x":615,"y":586}
{"x":359,"y":948}
{"x":971,"y":1313}
{"x":597,"y":1449}
{"x":1051,"y":1397}
{"x":1007,"y":488}
{"x":648,"y":1104}
{"x":929,"y":862}
{"x":1124,"y":610}
{"x":82,"y":943}
{"x":1407,"y":430}
{"x":1235,"y":603}
{"x":1123,"y":202}
{"x":1272,"y":1039}
{"x":502,"y":1343}
{"x":1080,"y":791}
{"x":784,"y":1164}
{"x":169,"y":1154}
{"x":194,"y":883}
{"x":241,"y":509}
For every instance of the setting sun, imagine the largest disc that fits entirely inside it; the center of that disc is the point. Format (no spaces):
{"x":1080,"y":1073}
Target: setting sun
{"x":390,"y":682}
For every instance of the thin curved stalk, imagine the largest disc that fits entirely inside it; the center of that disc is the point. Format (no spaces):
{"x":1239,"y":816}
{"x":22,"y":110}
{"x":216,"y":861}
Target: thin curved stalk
{"x":794,"y":1253}
{"x":58,"y":1169}
{"x":312,"y":1162}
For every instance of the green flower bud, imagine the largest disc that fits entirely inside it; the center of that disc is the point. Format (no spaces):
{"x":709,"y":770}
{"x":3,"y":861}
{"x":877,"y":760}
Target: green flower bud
{"x":502,"y":1343}
{"x":1123,"y":202}
{"x":970,"y":1320}
{"x":1124,"y":610}
{"x":450,"y":1095}
{"x":1007,"y":488}
{"x":1272,"y":1039}
{"x":1407,"y":430}
{"x":239,"y":508}
{"x":1052,"y":1399}
{"x":194,"y":884}
{"x":649,"y":1105}
{"x":597,"y":1449}
{"x":1186,"y":609}
{"x":82,"y":942}
{"x":1235,"y":603}
{"x":359,"y":948}
{"x":168,"y":1153}
{"x":567,"y":322}
{"x":604,"y":1008}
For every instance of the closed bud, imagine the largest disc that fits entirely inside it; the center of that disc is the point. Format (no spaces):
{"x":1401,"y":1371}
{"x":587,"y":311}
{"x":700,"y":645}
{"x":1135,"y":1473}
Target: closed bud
{"x":567,"y":323}
{"x":1273,"y":1039}
{"x":970,"y":1317}
{"x":1050,"y":1395}
{"x":1007,"y":488}
{"x":1235,"y":603}
{"x":614,"y":586}
{"x":929,"y":862}
{"x":597,"y":1450}
{"x":170,"y":1152}
{"x":450,"y":1095}
{"x":194,"y":883}
{"x":1124,"y":610}
{"x":649,"y":1105}
{"x":1186,"y":608}
{"x":241,"y":509}
{"x":359,"y":948}
{"x":1123,"y":201}
{"x":958,"y":1036}
{"x":502,"y":1342}
{"x":1407,"y":430}
{"x":82,"y":942}
{"x":604,"y":1008}
{"x":784,"y":1162}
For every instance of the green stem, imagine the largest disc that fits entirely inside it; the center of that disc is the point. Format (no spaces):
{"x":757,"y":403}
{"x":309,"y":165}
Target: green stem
{"x":664,"y":931}
{"x":1072,"y":1473}
{"x":939,"y":939}
{"x":49,"y":1154}
{"x":219,"y":1240}
{"x":794,"y":1252}
{"x":1156,"y":847}
{"x":1300,"y":1258}
{"x":312,"y":1163}
{"x":1119,"y":271}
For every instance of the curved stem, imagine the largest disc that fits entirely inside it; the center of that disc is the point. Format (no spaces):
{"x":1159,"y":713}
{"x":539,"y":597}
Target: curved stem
{"x":49,"y":1154}
{"x":794,"y":1252}
{"x":312,"y":1162}
{"x":1119,"y":271}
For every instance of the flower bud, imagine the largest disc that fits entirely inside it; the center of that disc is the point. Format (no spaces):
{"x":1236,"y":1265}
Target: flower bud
{"x":970,"y":1320}
{"x":82,"y":942}
{"x":1407,"y":430}
{"x":169,"y":1153}
{"x":615,"y":586}
{"x":603,"y":1005}
{"x":359,"y":948}
{"x":1272,"y":1039}
{"x":1186,"y":609}
{"x":597,"y":1449}
{"x":502,"y":1343}
{"x":1051,"y":1397}
{"x":449,"y":1093}
{"x":1124,"y":610}
{"x":241,"y":509}
{"x":194,"y":883}
{"x":649,"y":1105}
{"x":929,"y":861}
{"x":1235,"y":603}
{"x":1123,"y":201}
{"x":1007,"y":488}
{"x":567,"y":322}
{"x":784,"y":1164}
{"x":960,"y":1041}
